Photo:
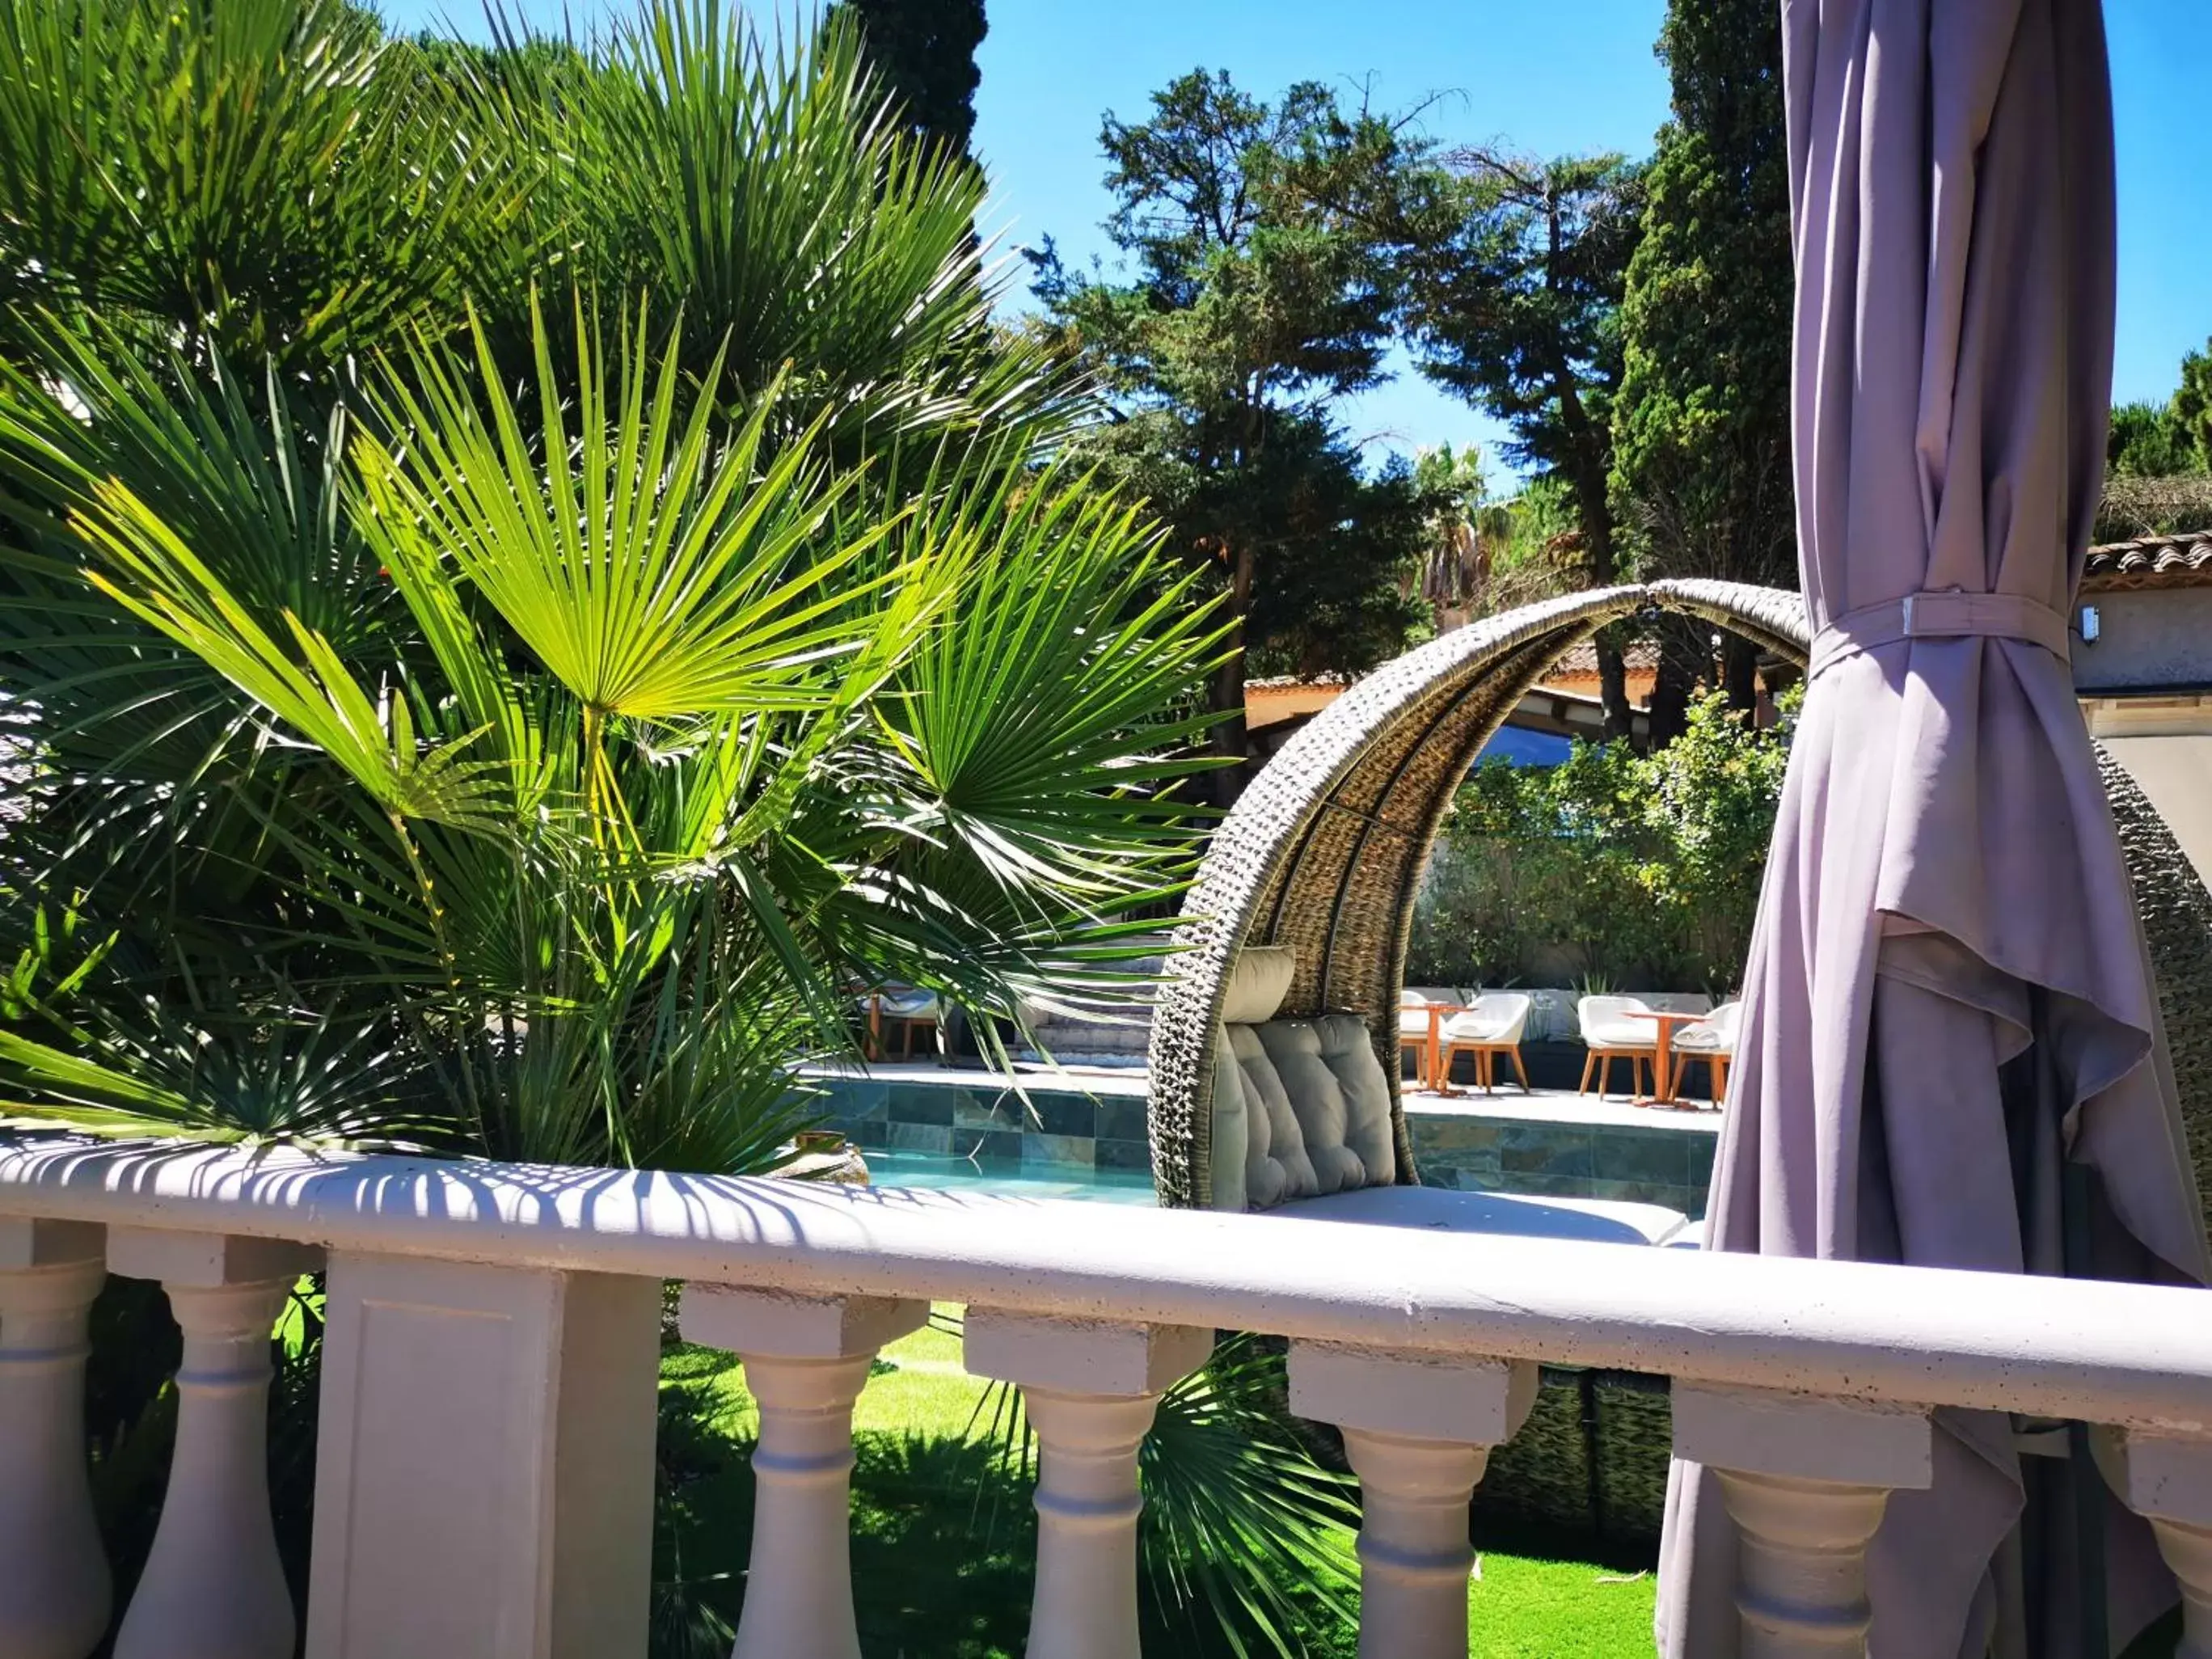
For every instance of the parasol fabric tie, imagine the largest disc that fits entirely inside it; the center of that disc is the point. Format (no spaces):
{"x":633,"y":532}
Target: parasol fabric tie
{"x":1950,"y":614}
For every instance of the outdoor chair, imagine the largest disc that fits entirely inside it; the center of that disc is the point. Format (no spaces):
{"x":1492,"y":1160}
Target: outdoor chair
{"x":1611,"y":1032}
{"x":1492,"y":1026}
{"x":902,"y":1007}
{"x":1325,"y":854}
{"x":1712,"y":1040}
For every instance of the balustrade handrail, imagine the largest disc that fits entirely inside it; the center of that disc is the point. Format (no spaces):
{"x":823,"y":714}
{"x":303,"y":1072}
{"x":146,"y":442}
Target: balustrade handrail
{"x":2128,"y":1355}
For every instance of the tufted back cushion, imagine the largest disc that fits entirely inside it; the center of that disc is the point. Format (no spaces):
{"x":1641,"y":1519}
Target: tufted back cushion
{"x":1301,"y":1107}
{"x":1259,"y":980}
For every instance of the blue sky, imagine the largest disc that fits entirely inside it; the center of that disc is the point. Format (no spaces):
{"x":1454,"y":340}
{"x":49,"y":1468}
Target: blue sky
{"x":1558,"y":75}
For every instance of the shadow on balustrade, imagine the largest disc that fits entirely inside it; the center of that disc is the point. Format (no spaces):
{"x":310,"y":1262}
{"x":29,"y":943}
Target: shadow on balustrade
{"x":303,"y":1193}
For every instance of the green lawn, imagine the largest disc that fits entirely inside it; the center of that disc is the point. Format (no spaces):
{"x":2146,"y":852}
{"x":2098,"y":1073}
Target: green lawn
{"x":1522,"y":1609}
{"x":943,"y":1534}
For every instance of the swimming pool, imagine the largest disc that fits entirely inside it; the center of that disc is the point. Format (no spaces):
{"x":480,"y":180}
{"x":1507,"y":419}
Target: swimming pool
{"x":943,"y":1172}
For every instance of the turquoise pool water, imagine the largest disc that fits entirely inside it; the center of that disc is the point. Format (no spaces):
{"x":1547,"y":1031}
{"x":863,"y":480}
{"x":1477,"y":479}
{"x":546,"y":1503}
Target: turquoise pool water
{"x":945,"y":1172}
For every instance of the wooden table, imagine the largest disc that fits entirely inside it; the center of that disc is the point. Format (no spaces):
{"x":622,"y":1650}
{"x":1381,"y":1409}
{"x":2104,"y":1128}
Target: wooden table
{"x":1426,"y":1067}
{"x":1663,"y":1083}
{"x":1439,"y":1082}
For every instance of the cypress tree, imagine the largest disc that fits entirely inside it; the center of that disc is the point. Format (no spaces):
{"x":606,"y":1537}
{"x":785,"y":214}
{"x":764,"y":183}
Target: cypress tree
{"x":1701,"y":454}
{"x":925,"y":50}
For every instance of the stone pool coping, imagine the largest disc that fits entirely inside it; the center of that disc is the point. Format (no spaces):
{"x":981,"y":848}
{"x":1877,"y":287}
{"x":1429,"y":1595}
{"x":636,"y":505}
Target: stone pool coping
{"x":1548,"y":1144}
{"x":1560,"y":1106}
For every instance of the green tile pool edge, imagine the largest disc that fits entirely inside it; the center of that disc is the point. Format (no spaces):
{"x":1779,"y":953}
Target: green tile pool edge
{"x":978,"y":1135}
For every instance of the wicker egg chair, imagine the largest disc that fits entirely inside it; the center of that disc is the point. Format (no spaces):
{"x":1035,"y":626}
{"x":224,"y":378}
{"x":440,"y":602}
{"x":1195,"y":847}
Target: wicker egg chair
{"x":1326,"y":852}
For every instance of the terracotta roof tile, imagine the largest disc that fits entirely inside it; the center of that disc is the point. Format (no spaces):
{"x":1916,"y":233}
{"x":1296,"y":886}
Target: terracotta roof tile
{"x":2182,"y":561}
{"x":1581,"y":660}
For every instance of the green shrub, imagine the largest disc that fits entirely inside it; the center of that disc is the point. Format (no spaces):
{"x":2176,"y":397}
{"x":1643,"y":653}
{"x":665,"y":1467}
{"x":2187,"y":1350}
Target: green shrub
{"x":1642,"y":870}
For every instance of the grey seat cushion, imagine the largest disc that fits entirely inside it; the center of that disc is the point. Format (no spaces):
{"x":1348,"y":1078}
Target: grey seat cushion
{"x":1443,"y":1209}
{"x":1337,"y":1088}
{"x":1275,"y":1163}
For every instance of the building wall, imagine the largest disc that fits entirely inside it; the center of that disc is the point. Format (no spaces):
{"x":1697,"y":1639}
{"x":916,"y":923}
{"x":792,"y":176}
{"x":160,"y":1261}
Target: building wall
{"x":2146,"y":685}
{"x":1270,"y":703}
{"x":1639,"y":682}
{"x":2175,"y":771}
{"x":2150,"y":637}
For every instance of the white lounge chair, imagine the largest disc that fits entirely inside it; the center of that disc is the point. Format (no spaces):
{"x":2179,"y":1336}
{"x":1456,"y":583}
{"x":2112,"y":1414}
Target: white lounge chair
{"x":905,"y":1007}
{"x":1492,"y":1025}
{"x":1611,"y":1031}
{"x":1712,"y":1040}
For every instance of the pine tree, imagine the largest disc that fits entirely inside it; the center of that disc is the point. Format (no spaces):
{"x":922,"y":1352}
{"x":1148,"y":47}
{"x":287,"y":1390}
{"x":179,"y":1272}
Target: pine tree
{"x":2188,"y":416}
{"x":1515,"y":307}
{"x":1254,"y":295}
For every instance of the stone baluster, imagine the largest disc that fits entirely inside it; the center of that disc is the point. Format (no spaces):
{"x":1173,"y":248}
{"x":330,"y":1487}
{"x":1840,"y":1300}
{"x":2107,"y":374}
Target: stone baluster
{"x":805,"y":1360}
{"x":54,"y":1583}
{"x":1417,"y":1429}
{"x":1805,"y":1479}
{"x":2167,"y":1479}
{"x":1090,"y":1389}
{"x":214,"y":1586}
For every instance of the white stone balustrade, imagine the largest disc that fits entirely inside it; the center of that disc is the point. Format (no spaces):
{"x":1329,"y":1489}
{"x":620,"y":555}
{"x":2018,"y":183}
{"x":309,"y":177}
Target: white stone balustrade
{"x":54,"y":1584}
{"x":2167,"y":1479}
{"x":484,"y":1473}
{"x":213,"y":1587}
{"x":805,"y":1360}
{"x":1417,"y":1429}
{"x":1805,"y":1479}
{"x":1090,"y":1389}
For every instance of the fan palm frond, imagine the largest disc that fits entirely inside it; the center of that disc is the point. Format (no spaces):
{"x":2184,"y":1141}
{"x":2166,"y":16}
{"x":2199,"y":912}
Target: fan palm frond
{"x":262,"y":177}
{"x":234,"y":1075}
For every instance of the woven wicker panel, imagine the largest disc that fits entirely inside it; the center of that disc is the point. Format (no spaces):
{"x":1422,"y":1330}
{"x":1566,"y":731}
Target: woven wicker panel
{"x":1635,"y":1442}
{"x":2177,"y":918}
{"x":1371,"y":908}
{"x":1770,"y":616}
{"x":1340,"y":881}
{"x":1487,"y":711}
{"x":1543,"y":1473}
{"x":1325,"y":856}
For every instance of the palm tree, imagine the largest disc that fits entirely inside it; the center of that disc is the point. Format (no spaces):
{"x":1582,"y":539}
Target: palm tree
{"x":560,"y":704}
{"x":1469,"y":559}
{"x":454,"y":695}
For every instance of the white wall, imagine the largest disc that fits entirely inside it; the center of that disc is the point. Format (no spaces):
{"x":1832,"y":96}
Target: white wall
{"x":2175,"y":771}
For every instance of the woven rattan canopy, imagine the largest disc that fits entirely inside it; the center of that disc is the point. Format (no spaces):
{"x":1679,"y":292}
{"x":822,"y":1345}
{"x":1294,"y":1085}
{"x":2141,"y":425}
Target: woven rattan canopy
{"x":1327,"y":849}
